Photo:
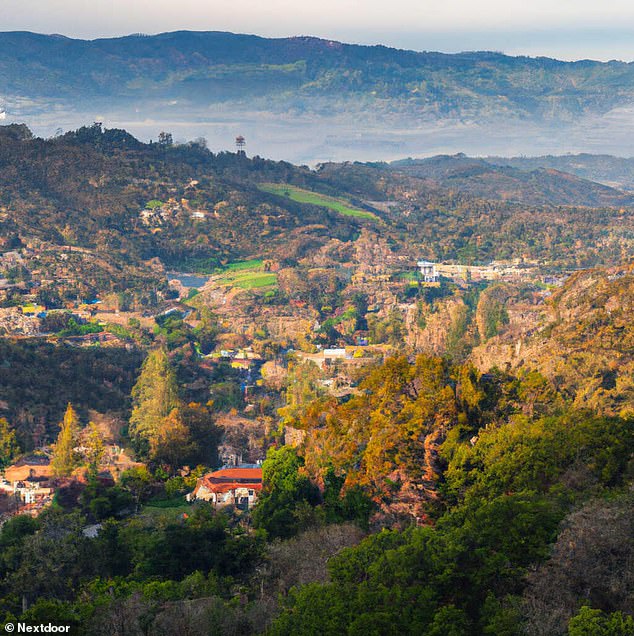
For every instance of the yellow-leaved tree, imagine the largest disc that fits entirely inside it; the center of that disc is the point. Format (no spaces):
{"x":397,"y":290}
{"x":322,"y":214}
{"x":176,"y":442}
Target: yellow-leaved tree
{"x":154,"y":396}
{"x":64,"y":459}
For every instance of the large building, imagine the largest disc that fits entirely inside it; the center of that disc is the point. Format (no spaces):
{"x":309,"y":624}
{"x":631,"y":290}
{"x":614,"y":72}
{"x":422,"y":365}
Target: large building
{"x":230,"y":487}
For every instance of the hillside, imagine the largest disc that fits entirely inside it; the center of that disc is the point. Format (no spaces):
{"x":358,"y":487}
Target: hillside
{"x":617,"y":172}
{"x":580,"y":338}
{"x":443,"y":451}
{"x":538,"y":185}
{"x":210,"y":67}
{"x":129,"y":202}
{"x":118,"y":205}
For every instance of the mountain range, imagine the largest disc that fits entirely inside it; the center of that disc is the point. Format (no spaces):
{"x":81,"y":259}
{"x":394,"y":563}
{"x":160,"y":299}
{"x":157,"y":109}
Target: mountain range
{"x":216,"y":66}
{"x":308,"y":100}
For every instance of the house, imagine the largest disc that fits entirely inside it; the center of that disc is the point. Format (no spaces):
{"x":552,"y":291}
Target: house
{"x":33,"y":492}
{"x":428,"y":270}
{"x":230,"y":487}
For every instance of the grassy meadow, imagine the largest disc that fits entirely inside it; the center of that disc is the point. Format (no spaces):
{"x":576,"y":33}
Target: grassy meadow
{"x":306,"y":196}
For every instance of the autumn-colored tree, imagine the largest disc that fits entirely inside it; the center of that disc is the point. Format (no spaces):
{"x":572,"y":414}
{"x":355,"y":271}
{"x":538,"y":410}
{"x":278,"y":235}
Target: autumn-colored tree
{"x":536,"y":394}
{"x":94,"y":447}
{"x":64,"y":459}
{"x":171,"y":443}
{"x":154,"y":396}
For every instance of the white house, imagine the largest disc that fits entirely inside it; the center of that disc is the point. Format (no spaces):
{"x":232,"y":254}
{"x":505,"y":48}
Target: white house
{"x":428,"y":270}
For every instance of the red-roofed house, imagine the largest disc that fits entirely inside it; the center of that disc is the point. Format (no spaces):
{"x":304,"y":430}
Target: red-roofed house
{"x":229,"y":487}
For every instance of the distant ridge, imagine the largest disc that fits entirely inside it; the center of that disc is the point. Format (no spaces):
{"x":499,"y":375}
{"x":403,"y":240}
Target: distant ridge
{"x":531,"y":182}
{"x":212,"y":67}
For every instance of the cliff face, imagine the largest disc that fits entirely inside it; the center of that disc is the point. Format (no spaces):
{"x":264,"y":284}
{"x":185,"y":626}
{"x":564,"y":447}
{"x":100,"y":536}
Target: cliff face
{"x":581,"y":338}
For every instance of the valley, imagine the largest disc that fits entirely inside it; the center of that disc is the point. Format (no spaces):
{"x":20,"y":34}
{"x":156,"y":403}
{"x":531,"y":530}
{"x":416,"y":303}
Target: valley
{"x":424,"y":367}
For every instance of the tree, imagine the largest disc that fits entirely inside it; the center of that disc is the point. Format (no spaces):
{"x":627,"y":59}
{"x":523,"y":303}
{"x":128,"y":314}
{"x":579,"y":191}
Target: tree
{"x":288,"y":496}
{"x":64,"y":458}
{"x":592,"y":622}
{"x":8,"y":443}
{"x":165,"y":139}
{"x":449,"y":621}
{"x":205,"y":435}
{"x":53,"y":559}
{"x":207,"y":330}
{"x":94,"y":447}
{"x":171,"y":444}
{"x":138,"y":482}
{"x":154,"y":396}
{"x":590,"y":564}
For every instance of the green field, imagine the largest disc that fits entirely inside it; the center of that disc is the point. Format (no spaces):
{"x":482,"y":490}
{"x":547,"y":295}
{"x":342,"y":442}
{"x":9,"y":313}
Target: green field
{"x":246,"y":275}
{"x":306,"y":196}
{"x":255,"y":263}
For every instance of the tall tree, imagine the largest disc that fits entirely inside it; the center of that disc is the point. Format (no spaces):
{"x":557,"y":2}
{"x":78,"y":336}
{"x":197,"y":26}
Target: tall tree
{"x":154,"y":396}
{"x":63,"y":460}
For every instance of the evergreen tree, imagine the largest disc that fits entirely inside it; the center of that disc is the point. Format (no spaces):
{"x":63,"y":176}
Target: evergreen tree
{"x":154,"y":396}
{"x":63,"y":460}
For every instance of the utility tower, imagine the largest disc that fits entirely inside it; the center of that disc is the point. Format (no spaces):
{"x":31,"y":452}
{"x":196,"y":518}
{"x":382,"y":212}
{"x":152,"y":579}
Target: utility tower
{"x":240,"y":144}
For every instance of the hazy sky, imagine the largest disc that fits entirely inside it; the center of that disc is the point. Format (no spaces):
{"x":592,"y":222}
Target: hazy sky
{"x":568,"y":29}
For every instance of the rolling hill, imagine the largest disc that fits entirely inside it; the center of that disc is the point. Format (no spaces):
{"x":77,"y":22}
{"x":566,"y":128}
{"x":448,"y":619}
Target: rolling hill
{"x":127,"y":203}
{"x":531,"y":183}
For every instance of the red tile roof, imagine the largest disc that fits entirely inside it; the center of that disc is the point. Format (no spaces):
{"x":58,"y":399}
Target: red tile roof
{"x":250,"y":474}
{"x":230,"y":478}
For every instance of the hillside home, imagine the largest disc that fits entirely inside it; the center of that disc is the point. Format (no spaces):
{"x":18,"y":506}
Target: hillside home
{"x":229,"y":487}
{"x":428,"y":271}
{"x":335,"y":354}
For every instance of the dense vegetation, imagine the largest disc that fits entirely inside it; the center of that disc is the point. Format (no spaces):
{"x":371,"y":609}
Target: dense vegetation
{"x":39,"y":379}
{"x":463,"y":468}
{"x":497,"y":470}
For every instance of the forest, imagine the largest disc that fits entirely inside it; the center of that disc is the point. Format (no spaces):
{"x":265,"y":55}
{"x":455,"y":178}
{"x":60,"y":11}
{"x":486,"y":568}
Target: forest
{"x":444,"y":501}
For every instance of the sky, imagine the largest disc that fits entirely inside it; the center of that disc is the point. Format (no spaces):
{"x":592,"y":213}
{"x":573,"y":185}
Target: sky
{"x":566,"y":29}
